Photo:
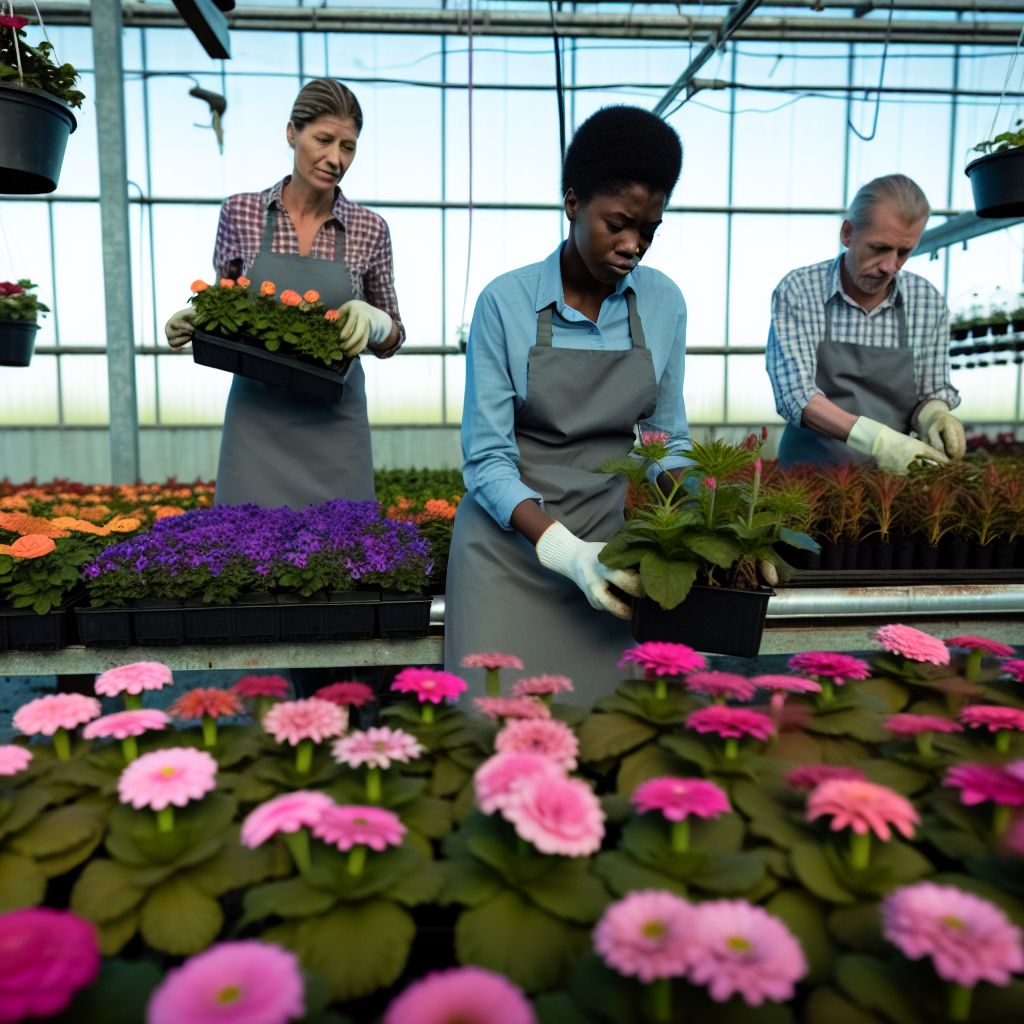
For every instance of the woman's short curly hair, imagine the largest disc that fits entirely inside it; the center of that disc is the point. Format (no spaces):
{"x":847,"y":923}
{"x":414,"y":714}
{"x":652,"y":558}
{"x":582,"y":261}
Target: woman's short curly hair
{"x":618,"y":146}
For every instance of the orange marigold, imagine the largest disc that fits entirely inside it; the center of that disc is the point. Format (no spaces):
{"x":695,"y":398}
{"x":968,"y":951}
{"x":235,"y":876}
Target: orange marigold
{"x":227,"y":282}
{"x":210,"y":701}
{"x":166,"y":511}
{"x":32,"y":545}
{"x":199,"y":285}
{"x":244,"y":282}
{"x":123,"y":524}
{"x":268,"y":288}
{"x":332,"y":315}
{"x":290,"y":298}
{"x":17,"y":522}
{"x":311,"y":296}
{"x":438,"y":508}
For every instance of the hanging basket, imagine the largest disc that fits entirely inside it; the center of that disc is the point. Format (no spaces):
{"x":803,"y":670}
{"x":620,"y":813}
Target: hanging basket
{"x":997,"y":181}
{"x":17,"y":339}
{"x":34,"y":130}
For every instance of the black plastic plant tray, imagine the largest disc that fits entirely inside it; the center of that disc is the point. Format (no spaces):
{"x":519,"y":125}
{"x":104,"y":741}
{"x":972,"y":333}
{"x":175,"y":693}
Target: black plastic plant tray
{"x":24,"y":630}
{"x":104,"y":627}
{"x":250,"y":359}
{"x":402,"y":616}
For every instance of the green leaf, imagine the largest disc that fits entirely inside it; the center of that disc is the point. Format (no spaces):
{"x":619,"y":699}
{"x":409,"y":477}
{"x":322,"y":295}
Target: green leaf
{"x":60,"y":829}
{"x":730,"y":874}
{"x":876,"y":985}
{"x":235,"y":866}
{"x":691,"y":749}
{"x":796,"y":539}
{"x":114,"y":935}
{"x":429,"y":815}
{"x":827,"y":1006}
{"x":611,"y":734}
{"x":722,"y":551}
{"x":420,"y":885}
{"x":468,"y":882}
{"x":814,"y":870}
{"x":119,"y":995}
{"x":22,"y":883}
{"x":623,"y":873}
{"x":293,"y":897}
{"x":665,"y":580}
{"x":510,"y":935}
{"x":104,"y":891}
{"x":805,"y":918}
{"x":558,"y":1008}
{"x":900,"y":777}
{"x":648,"y":762}
{"x":568,"y":890}
{"x":859,"y":928}
{"x":21,"y":808}
{"x":179,"y":919}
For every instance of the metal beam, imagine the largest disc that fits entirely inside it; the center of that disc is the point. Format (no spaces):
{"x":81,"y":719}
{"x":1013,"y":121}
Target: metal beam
{"x":208,"y":26}
{"x":113,"y":164}
{"x":960,"y":229}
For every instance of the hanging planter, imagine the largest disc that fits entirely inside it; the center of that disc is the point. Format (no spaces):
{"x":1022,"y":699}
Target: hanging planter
{"x":997,"y":178}
{"x":17,"y":340}
{"x":19,"y":310}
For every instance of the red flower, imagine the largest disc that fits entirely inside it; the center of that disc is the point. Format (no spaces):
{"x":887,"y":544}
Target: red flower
{"x":13,"y":21}
{"x":9,"y":287}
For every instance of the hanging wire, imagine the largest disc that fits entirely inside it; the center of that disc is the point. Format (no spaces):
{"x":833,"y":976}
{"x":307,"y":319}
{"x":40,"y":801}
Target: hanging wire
{"x":881,"y":79}
{"x":469,"y":141}
{"x":559,"y":89}
{"x":1006,"y":83}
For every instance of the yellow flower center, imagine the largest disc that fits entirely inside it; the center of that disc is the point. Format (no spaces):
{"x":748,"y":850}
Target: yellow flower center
{"x":228,"y":995}
{"x":169,"y":771}
{"x":359,"y":821}
{"x":654,"y":930}
{"x":739,"y":944}
{"x":953,"y":922}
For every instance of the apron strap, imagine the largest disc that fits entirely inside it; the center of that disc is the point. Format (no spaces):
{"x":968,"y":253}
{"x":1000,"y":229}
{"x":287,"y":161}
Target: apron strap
{"x":544,"y":326}
{"x":270,"y":222}
{"x":636,"y":330}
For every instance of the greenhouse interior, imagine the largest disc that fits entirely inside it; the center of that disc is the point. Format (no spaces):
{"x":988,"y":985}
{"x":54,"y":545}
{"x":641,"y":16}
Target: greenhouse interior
{"x":511,"y":512}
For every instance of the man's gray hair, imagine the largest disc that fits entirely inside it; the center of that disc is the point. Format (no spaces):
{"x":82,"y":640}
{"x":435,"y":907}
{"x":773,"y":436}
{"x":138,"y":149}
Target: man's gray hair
{"x":904,"y":194}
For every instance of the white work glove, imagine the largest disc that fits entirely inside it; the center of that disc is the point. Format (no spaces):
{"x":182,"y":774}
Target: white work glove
{"x":364,"y":324}
{"x":891,"y":450}
{"x":180,"y":327}
{"x":565,"y":553}
{"x":935,"y":424}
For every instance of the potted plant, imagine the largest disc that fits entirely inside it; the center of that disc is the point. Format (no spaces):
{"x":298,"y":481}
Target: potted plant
{"x":1017,"y":315}
{"x":703,"y":538}
{"x":997,"y":177}
{"x":289,"y":340}
{"x":36,"y":97}
{"x":883,"y":490}
{"x":19,"y":311}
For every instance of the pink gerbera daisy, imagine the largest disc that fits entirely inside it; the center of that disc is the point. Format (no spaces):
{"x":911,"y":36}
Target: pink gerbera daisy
{"x":731,"y":723}
{"x":1014,"y":669}
{"x":469,"y":995}
{"x":244,"y":982}
{"x":979,"y":783}
{"x":491,"y":660}
{"x":133,"y":679}
{"x":657,"y":658}
{"x":430,"y":686}
{"x":497,"y":781}
{"x":740,"y":949}
{"x":45,"y":715}
{"x":980,"y":643}
{"x":14,"y":759}
{"x":839,"y":668}
{"x":559,"y":816}
{"x":646,"y":935}
{"x":123,"y":724}
{"x":541,"y":686}
{"x":285,"y":814}
{"x":512,"y":707}
{"x":1002,"y":721}
{"x":807,"y":776}
{"x":210,"y":702}
{"x":376,"y":748}
{"x":721,"y":685}
{"x":313,"y":719}
{"x":167,"y":777}
{"x":968,"y":938}
{"x":912,"y":644}
{"x":914,"y":725}
{"x":262,"y":686}
{"x":862,"y":806}
{"x":786,"y":684}
{"x":551,"y":738}
{"x":349,"y":825}
{"x":678,"y":799}
{"x":347,"y":694}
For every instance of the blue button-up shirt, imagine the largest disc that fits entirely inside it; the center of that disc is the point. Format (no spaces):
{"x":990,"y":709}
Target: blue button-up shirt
{"x":806,"y":296}
{"x":503,"y":331}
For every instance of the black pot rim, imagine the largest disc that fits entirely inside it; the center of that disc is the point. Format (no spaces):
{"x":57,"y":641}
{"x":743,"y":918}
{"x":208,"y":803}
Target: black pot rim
{"x":1016,"y":153}
{"x":61,"y":108}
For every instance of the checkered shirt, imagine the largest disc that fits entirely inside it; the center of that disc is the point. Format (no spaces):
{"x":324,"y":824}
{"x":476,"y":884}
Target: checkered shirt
{"x":799,"y":306}
{"x":367,"y":245}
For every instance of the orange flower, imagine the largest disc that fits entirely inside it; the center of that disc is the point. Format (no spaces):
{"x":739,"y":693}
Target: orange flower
{"x":166,"y":511}
{"x":438,"y":508}
{"x":123,"y":524}
{"x":331,"y":314}
{"x":227,"y":282}
{"x":32,"y":545}
{"x":5,"y":549}
{"x":23,"y":524}
{"x":290,"y":298}
{"x":244,"y":282}
{"x":199,"y":285}
{"x":268,"y":288}
{"x":312,"y":296}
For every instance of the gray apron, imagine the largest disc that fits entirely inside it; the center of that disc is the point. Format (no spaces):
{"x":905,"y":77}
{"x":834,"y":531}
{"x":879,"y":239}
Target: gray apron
{"x":873,"y":382}
{"x":284,"y":448}
{"x":581,"y":408}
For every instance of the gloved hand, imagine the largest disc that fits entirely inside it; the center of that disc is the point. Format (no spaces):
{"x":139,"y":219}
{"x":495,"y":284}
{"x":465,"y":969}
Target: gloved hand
{"x":891,"y":450}
{"x":562,"y":551}
{"x":935,"y":424}
{"x":364,"y":324}
{"x":180,"y":327}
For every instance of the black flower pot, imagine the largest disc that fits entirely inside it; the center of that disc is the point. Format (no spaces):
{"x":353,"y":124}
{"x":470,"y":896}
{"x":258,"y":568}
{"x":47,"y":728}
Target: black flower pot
{"x":832,"y":556}
{"x":1017,"y":325}
{"x":997,"y":181}
{"x":856,"y":555}
{"x":1005,"y":552}
{"x":159,"y":621}
{"x":34,"y":130}
{"x":402,"y":616}
{"x":982,"y":555}
{"x":903,"y":553}
{"x":717,"y":620}
{"x":255,"y":619}
{"x":17,"y":340}
{"x":207,"y":623}
{"x":303,"y":619}
{"x":958,"y":333}
{"x":979,"y":331}
{"x":104,"y":627}
{"x":955,"y":554}
{"x":999,"y":329}
{"x":927,"y":556}
{"x":882,"y":555}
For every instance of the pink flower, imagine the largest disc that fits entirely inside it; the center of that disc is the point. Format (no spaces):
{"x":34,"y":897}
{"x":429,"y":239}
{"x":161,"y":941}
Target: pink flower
{"x":262,"y":686}
{"x":862,"y":806}
{"x":653,"y":437}
{"x":807,"y":776}
{"x":208,"y":702}
{"x":558,"y":816}
{"x":347,"y":694}
{"x":491,"y":660}
{"x":710,"y":483}
{"x":351,"y":825}
{"x":541,"y":686}
{"x":13,"y":759}
{"x":915,"y":725}
{"x":1015,"y":836}
{"x":731,"y":723}
{"x":133,"y":678}
{"x":293,"y":721}
{"x":721,"y":684}
{"x":45,"y":715}
{"x":827,"y":665}
{"x":646,"y":935}
{"x":512,"y":707}
{"x":678,"y":798}
{"x":286,"y":813}
{"x":499,"y":778}
{"x":551,"y":738}
{"x":991,"y":717}
{"x":376,"y":748}
{"x":912,"y":644}
{"x":470,"y":995}
{"x":663,"y":659}
{"x":1014,"y":669}
{"x":786,"y":684}
{"x":980,"y":643}
{"x":164,"y":777}
{"x":980,"y":782}
{"x":429,"y":685}
{"x":46,"y":956}
{"x":123,"y":724}
{"x":743,"y":950}
{"x":245,"y":982}
{"x":968,"y":938}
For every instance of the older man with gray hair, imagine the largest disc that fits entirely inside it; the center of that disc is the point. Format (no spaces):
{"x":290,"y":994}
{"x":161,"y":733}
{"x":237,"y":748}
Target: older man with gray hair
{"x":858,"y":351}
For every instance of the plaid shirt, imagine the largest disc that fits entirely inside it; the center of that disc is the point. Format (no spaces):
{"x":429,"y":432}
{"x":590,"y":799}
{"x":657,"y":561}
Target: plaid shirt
{"x":806,"y":296}
{"x":367,"y":245}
